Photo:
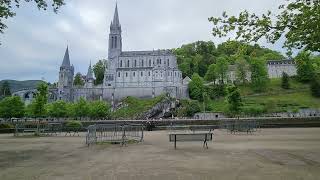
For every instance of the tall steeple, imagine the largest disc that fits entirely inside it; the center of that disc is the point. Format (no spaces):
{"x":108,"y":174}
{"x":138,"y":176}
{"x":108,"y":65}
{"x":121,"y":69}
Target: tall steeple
{"x":66,"y":59}
{"x":65,"y":82}
{"x":116,"y":21}
{"x":115,"y":39}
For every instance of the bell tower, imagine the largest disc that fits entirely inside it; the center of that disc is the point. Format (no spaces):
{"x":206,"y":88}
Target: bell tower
{"x":115,"y":39}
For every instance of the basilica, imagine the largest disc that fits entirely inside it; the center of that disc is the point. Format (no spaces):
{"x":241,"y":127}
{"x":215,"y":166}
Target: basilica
{"x":142,"y":74}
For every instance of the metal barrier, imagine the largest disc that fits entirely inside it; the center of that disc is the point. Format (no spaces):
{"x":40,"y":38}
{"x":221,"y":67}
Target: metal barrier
{"x":234,"y":126}
{"x":38,"y":128}
{"x":114,"y":133}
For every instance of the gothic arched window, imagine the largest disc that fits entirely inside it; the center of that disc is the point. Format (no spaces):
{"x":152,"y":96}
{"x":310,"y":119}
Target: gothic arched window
{"x":128,"y":63}
{"x":142,"y":63}
{"x":149,"y":62}
{"x":121,"y":63}
{"x":115,"y":42}
{"x":112,"y":41}
{"x":135,"y":63}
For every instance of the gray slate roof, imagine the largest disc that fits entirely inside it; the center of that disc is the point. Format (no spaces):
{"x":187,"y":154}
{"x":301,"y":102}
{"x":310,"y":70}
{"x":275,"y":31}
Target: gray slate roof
{"x":147,"y":53}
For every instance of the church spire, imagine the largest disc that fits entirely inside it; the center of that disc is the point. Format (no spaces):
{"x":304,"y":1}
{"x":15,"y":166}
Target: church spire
{"x":89,"y":73}
{"x":66,"y":60}
{"x":116,"y":21}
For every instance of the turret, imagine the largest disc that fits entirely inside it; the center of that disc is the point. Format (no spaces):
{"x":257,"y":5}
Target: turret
{"x":89,"y":77}
{"x":65,"y":78}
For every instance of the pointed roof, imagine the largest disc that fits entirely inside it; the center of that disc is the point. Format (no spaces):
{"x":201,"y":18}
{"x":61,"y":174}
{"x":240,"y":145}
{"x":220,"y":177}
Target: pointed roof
{"x":66,"y":59}
{"x":89,"y":73}
{"x":116,"y":21}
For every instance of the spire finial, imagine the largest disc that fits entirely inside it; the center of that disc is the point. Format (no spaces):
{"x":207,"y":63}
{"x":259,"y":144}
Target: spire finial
{"x":116,"y":21}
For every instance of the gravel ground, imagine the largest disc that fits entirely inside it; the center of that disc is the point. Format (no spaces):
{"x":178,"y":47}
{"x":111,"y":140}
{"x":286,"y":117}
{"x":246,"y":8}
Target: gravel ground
{"x":268,"y":155}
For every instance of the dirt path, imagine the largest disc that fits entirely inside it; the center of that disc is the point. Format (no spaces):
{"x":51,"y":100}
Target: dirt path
{"x":271,"y":154}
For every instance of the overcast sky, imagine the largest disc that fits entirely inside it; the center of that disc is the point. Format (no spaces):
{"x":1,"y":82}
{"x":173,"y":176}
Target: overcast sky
{"x":34,"y":43}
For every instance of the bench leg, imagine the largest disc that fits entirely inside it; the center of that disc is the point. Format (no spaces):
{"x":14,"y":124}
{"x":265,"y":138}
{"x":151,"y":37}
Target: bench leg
{"x":205,"y":144}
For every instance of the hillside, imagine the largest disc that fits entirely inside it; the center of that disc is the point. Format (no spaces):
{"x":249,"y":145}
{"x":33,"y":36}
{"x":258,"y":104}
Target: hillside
{"x":18,"y":85}
{"x":274,"y":99}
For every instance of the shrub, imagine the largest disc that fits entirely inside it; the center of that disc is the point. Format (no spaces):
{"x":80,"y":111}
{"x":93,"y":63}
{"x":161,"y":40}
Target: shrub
{"x":315,"y":86}
{"x":253,"y":111}
{"x":216,"y":91}
{"x":188,"y":108}
{"x":6,"y":128}
{"x":285,"y":81}
{"x":99,"y":109}
{"x":70,"y":125}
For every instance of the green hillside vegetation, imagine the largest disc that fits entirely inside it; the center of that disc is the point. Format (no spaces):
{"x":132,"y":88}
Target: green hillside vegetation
{"x":208,"y":66}
{"x":274,"y":99}
{"x":133,"y":107}
{"x":196,"y":57}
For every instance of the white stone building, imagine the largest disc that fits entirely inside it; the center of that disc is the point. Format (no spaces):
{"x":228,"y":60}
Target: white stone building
{"x":142,"y":74}
{"x":277,"y":67}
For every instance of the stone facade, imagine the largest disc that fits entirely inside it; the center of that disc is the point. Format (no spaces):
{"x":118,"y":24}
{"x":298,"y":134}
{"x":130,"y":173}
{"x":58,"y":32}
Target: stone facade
{"x":277,"y":67}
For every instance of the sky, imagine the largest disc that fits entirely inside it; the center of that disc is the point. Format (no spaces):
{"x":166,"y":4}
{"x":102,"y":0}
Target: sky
{"x":34,"y":43}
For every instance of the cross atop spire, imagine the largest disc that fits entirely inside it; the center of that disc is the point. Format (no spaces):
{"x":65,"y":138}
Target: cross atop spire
{"x":116,"y":21}
{"x":66,"y":59}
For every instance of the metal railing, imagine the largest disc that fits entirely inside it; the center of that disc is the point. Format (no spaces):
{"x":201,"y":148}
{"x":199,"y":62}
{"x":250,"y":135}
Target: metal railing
{"x":114,"y":133}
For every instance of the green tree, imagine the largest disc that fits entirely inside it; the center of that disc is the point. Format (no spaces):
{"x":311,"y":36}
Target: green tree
{"x":234,"y":99}
{"x":285,"y":81}
{"x":5,"y":89}
{"x":99,"y":109}
{"x":71,"y":110}
{"x":297,"y":20}
{"x":188,"y":108}
{"x":304,"y":66}
{"x":57,"y":109}
{"x":315,"y":85}
{"x":222,"y":69}
{"x":196,"y":87}
{"x":242,"y":67}
{"x":211,"y":74}
{"x":259,"y":75}
{"x":7,"y":8}
{"x":81,"y":108}
{"x":99,"y":69}
{"x":38,"y":104}
{"x":11,"y":107}
{"x":78,"y":81}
